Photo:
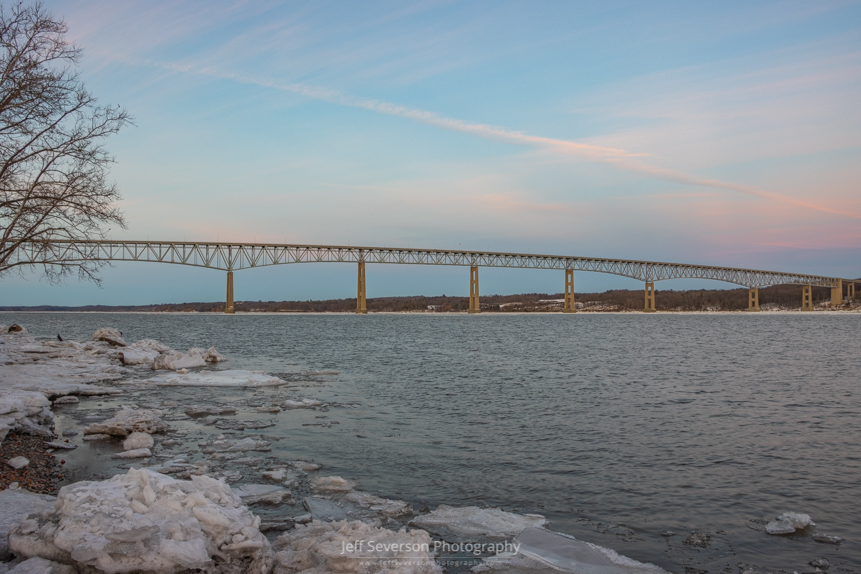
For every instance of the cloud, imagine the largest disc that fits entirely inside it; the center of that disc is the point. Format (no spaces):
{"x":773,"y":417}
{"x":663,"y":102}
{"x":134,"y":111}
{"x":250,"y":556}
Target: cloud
{"x":620,"y":158}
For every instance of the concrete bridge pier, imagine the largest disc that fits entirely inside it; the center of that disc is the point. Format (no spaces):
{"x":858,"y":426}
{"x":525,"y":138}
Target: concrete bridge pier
{"x":361,"y":301}
{"x":837,"y":294}
{"x":850,"y":292}
{"x":473,"y":290}
{"x":228,"y":306}
{"x":650,"y":297}
{"x":568,"y":305}
{"x":807,"y":298}
{"x":753,"y":299}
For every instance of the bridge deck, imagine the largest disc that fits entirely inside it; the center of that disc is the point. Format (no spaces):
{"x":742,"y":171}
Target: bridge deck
{"x":235,"y":256}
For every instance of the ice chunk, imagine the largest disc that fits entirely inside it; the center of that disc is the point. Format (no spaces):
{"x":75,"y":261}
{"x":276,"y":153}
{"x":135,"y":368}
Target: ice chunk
{"x":229,"y":378}
{"x":540,"y":550}
{"x":330,"y":484}
{"x":16,"y":505}
{"x":207,"y":410}
{"x":38,"y":565}
{"x":789,"y":522}
{"x":136,"y":453}
{"x":191,"y":360}
{"x":799,"y":521}
{"x":324,"y":547}
{"x":221,"y":443}
{"x":265,"y":493}
{"x":127,"y":421}
{"x":25,"y":411}
{"x":383,"y":506}
{"x":109,"y":335}
{"x":827,"y":539}
{"x":324,"y":509}
{"x":138,"y":440}
{"x":213,"y":356}
{"x":149,"y":522}
{"x":459,"y":523}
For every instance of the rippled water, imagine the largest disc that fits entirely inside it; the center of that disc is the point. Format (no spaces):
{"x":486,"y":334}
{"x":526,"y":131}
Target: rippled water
{"x":616,"y":427}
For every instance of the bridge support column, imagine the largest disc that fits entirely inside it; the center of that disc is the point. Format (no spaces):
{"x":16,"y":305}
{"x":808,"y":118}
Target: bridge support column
{"x":228,"y":306}
{"x":361,"y":302}
{"x":473,"y":290}
{"x":568,"y":305}
{"x":753,"y":299}
{"x":807,"y":298}
{"x":837,"y":294}
{"x":850,"y":292}
{"x":650,"y":297}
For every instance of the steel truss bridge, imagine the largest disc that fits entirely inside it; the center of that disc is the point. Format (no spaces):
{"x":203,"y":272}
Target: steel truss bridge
{"x":231,"y":257}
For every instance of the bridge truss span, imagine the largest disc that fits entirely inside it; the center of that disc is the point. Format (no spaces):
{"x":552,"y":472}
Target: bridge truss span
{"x":230,"y":257}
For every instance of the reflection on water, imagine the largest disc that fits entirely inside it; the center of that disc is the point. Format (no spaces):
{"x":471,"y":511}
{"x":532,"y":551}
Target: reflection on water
{"x":617,"y":427}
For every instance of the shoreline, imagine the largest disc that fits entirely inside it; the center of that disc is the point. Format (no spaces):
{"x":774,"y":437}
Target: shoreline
{"x":831,"y":312}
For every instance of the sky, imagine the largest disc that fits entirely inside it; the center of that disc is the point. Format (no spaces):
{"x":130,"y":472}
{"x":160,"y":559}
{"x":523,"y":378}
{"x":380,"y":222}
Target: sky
{"x":722,"y":133}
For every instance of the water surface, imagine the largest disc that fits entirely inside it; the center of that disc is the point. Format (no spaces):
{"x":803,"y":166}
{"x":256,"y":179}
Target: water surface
{"x":616,"y":427}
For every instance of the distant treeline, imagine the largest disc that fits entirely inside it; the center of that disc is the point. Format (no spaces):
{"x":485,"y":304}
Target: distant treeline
{"x":779,"y":297}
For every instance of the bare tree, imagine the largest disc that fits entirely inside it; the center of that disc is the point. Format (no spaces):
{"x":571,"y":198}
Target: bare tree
{"x":53,"y":164}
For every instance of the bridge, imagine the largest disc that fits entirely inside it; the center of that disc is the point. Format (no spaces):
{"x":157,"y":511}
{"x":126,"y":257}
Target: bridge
{"x":231,"y":257}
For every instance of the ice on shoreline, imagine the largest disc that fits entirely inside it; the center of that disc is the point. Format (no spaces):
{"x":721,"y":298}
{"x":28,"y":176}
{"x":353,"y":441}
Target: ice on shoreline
{"x":145,"y":521}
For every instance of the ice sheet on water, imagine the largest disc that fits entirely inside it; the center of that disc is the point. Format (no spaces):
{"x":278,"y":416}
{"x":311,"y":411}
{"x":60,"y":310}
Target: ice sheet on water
{"x":471,"y":522}
{"x":540,"y":550}
{"x":228,"y":378}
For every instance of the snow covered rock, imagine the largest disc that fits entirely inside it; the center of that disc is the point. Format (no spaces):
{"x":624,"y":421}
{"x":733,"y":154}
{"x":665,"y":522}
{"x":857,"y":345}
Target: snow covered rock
{"x":471,"y":522}
{"x":16,"y":329}
{"x":319,"y":548}
{"x":789,"y":522}
{"x":229,"y":378}
{"x":127,"y":421}
{"x":138,"y":440}
{"x":540,"y":550}
{"x":331,"y":484}
{"x":110,"y":336}
{"x":147,"y":522}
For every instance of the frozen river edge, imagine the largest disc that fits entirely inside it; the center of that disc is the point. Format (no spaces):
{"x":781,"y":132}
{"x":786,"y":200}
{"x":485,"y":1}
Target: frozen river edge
{"x":175,"y":514}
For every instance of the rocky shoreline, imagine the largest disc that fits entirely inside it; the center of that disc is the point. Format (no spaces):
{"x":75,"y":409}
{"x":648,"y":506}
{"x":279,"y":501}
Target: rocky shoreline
{"x":178,"y":476}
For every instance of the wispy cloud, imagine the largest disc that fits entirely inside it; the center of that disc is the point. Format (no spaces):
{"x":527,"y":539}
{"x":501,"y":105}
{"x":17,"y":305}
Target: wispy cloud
{"x":620,"y":158}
